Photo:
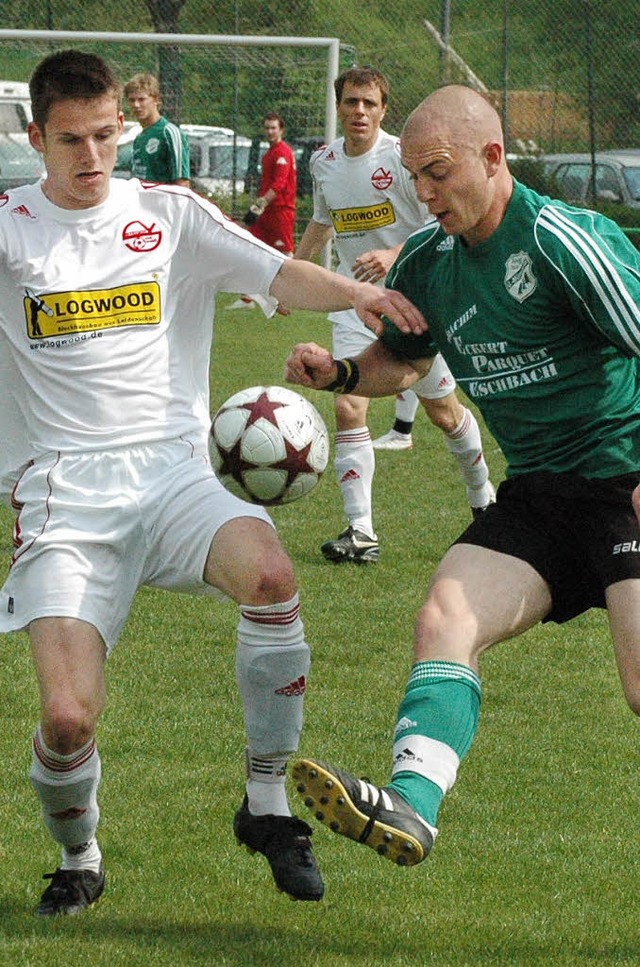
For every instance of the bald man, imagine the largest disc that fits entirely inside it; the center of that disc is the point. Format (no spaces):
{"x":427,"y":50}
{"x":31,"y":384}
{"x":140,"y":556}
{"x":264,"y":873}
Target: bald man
{"x":535,"y":307}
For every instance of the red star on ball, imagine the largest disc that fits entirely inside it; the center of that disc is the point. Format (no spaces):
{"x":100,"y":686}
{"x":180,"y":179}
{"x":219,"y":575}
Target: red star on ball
{"x":263,"y":407}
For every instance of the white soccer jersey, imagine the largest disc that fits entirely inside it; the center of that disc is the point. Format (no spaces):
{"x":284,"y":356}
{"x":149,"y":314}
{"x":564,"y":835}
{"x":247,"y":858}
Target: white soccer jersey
{"x":106,"y":316}
{"x":369,"y":200}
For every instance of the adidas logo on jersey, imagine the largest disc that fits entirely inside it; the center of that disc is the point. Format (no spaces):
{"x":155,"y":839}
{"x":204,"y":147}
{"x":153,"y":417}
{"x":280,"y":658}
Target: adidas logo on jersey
{"x":446,"y":245}
{"x":22,"y":210}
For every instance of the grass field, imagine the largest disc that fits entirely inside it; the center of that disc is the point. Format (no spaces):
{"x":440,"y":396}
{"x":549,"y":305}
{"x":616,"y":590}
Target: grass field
{"x":536,"y":863}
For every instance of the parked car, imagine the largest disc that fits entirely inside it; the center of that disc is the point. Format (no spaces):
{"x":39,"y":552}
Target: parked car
{"x":15,"y":106}
{"x":218,"y":158}
{"x":20,"y":164}
{"x":617,"y":176}
{"x":125,"y":149}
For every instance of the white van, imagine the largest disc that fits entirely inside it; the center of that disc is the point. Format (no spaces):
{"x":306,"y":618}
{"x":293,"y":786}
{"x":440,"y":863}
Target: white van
{"x":211,"y":159}
{"x":15,"y":106}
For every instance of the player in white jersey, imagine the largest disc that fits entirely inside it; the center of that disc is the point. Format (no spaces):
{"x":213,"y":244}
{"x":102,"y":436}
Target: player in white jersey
{"x":365,"y":200}
{"x":107,"y":293}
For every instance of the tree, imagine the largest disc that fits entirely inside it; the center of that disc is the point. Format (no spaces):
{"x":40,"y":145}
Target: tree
{"x":165,"y":15}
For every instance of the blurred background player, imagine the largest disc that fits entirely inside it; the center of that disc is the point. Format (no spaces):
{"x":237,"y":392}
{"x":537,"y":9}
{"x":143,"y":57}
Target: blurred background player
{"x":399,"y":436}
{"x":364,"y":198}
{"x":161,"y":150}
{"x":271,"y":217}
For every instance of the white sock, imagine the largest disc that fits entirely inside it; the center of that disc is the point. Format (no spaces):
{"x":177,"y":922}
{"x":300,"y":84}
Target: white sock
{"x":355,"y":462}
{"x":67,"y":787}
{"x":84,"y":857}
{"x":465,"y":444}
{"x":272,"y":665}
{"x":406,"y":406}
{"x":265,"y":787}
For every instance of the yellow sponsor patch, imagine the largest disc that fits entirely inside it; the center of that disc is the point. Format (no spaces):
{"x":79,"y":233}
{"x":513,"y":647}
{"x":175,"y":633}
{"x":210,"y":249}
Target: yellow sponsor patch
{"x":88,"y":311}
{"x":364,"y":219}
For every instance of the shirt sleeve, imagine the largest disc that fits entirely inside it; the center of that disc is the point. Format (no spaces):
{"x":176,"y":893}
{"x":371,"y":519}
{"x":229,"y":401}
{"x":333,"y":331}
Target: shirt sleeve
{"x":177,"y":151}
{"x":408,"y":345}
{"x":320,"y":209}
{"x":598,"y":270}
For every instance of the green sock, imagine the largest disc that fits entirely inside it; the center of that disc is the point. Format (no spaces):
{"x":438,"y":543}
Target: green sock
{"x":437,"y":721}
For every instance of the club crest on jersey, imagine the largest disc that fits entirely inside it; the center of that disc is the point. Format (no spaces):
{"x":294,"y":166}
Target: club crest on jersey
{"x":141,"y":238}
{"x":519,"y":280}
{"x":381,"y":179}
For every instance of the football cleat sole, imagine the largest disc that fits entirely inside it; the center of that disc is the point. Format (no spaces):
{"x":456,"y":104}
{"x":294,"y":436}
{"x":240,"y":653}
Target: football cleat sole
{"x":397,"y":835}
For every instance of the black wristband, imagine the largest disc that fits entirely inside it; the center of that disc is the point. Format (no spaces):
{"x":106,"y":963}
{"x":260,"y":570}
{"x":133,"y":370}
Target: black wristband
{"x":347,"y":377}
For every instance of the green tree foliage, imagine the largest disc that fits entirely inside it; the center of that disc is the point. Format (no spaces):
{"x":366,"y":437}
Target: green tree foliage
{"x":539,"y":47}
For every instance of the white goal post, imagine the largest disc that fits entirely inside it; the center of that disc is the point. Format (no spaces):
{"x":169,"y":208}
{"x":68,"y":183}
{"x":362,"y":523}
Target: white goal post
{"x":331,"y":44}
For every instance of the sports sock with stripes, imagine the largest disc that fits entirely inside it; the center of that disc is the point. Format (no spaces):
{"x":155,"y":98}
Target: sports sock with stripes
{"x":67,"y":787}
{"x":354,"y":462}
{"x":272,"y":665}
{"x":437,"y":721}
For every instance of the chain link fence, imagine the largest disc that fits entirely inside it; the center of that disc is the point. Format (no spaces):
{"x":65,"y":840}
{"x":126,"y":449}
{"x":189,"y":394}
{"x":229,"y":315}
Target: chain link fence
{"x":564,"y":74}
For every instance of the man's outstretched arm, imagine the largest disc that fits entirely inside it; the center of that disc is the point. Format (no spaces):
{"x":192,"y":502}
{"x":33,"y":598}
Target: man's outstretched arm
{"x":375,"y":372}
{"x":304,"y":285}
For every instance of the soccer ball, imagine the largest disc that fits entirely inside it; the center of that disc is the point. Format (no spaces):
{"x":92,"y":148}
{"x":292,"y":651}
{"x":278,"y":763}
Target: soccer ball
{"x":268,"y":445}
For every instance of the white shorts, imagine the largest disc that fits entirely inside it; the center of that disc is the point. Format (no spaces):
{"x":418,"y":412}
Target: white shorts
{"x":437,"y":383}
{"x":92,"y":528}
{"x":351,"y":337}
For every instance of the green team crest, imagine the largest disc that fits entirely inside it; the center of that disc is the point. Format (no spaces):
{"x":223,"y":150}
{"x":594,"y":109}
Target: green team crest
{"x":519,"y":280}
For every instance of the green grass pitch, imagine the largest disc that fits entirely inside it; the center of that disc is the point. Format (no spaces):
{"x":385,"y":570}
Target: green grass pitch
{"x":536,"y":864}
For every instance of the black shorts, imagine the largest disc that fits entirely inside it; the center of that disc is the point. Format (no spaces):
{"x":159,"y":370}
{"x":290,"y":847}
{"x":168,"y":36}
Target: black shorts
{"x":580,"y":535}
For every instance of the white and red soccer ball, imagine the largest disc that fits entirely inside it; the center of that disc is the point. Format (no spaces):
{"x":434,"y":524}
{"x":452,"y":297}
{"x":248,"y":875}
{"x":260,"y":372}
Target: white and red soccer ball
{"x":268,"y":445}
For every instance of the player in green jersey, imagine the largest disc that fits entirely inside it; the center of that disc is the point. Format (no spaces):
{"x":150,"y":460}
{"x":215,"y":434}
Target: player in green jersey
{"x":536,"y":308}
{"x":161,"y":150}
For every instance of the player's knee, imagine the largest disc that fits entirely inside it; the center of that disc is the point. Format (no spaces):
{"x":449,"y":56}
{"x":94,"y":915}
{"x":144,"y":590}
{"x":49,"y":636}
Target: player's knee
{"x":445,"y":414}
{"x":67,"y":725}
{"x":444,"y":631}
{"x":272,"y":579}
{"x":351,"y":412}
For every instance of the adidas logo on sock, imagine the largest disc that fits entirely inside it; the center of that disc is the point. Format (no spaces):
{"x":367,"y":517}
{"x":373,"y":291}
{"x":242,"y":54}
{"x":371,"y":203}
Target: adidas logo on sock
{"x":406,"y":755}
{"x":404,"y":724}
{"x":297,"y":687}
{"x":350,"y":475}
{"x":73,"y":812}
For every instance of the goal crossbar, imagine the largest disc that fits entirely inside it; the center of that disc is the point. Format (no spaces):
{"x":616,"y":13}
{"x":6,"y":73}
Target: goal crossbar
{"x":332,"y":45}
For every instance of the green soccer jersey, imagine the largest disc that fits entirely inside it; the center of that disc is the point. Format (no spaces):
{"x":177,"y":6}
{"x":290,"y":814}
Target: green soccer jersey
{"x":160,"y":153}
{"x":540,"y":325}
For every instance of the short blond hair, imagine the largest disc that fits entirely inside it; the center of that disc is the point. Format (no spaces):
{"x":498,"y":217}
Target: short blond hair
{"x":143,"y":84}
